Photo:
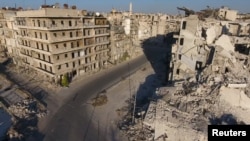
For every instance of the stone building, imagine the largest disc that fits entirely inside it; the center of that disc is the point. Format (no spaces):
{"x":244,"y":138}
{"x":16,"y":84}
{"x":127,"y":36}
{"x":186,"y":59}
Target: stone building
{"x":119,"y":36}
{"x":62,"y":42}
{"x":8,"y":43}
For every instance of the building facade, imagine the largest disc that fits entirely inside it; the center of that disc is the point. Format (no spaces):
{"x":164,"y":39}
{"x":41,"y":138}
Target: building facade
{"x":62,"y":42}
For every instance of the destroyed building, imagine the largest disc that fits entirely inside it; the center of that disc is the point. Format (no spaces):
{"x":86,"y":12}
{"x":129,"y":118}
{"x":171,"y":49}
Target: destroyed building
{"x":208,"y":81}
{"x":121,"y":47}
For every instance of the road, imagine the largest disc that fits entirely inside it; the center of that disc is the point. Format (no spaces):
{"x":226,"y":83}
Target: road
{"x":71,"y":122}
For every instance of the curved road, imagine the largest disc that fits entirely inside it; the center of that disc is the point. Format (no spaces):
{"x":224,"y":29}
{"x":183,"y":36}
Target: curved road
{"x":71,"y":122}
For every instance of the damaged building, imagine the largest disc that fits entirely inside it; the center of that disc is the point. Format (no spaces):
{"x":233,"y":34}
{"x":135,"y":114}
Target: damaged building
{"x":62,"y":42}
{"x":208,"y":81}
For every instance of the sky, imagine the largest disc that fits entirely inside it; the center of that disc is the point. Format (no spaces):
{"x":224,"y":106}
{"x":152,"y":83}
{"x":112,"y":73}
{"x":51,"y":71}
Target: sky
{"x":144,"y":6}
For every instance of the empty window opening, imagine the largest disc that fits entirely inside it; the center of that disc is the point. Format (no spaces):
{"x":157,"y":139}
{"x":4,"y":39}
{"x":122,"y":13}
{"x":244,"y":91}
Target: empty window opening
{"x":70,"y":23}
{"x":181,"y":41}
{"x":178,"y":71}
{"x":179,"y":56}
{"x":66,"y":55}
{"x":184,"y":24}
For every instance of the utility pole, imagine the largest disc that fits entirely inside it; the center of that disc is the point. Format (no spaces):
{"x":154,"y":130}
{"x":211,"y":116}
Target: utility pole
{"x":133,"y":118}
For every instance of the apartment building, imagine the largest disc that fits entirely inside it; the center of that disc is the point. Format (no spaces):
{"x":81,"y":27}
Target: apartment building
{"x":120,"y":39}
{"x":63,"y":42}
{"x":8,"y":43}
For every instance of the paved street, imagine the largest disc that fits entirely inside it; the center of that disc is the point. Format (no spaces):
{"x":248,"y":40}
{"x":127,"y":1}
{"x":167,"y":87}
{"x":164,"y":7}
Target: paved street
{"x":72,"y":121}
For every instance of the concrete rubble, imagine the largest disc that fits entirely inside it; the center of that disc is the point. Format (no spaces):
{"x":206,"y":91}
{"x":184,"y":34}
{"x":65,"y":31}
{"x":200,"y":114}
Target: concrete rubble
{"x":208,"y":81}
{"x":23,"y":108}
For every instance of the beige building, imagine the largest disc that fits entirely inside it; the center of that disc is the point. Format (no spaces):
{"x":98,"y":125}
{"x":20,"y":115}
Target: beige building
{"x":8,"y":43}
{"x":59,"y":42}
{"x":120,"y":43}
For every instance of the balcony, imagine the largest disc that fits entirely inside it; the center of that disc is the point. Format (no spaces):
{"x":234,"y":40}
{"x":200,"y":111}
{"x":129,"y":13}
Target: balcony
{"x":53,"y":40}
{"x":50,"y":27}
{"x":36,"y":50}
{"x":102,"y":34}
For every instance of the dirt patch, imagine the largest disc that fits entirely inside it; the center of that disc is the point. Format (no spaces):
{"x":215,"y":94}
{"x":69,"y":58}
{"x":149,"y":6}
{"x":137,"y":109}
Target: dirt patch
{"x":99,"y":100}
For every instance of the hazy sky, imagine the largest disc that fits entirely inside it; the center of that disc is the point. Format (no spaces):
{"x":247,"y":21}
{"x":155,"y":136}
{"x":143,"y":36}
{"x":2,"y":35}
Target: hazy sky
{"x":147,"y":6}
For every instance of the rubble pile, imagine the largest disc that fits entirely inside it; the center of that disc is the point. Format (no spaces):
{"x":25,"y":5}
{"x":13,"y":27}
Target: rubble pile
{"x":209,"y":83}
{"x":27,"y":108}
{"x":26,"y":114}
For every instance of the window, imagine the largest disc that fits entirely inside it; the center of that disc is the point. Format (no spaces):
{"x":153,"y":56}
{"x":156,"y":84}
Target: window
{"x":63,"y":33}
{"x":76,"y":33}
{"x":38,"y":22}
{"x":42,"y":46}
{"x":72,"y":45}
{"x":45,"y":67}
{"x":66,"y":55}
{"x":74,"y":64}
{"x":70,"y":23}
{"x":59,"y":67}
{"x":54,"y":34}
{"x":56,"y":46}
{"x":181,"y":41}
{"x":40,"y":65}
{"x":44,"y":24}
{"x":47,"y":47}
{"x":53,"y":22}
{"x":37,"y":45}
{"x":77,"y":43}
{"x":41,"y":35}
{"x":57,"y":57}
{"x":73,"y":55}
{"x":67,"y":64}
{"x":43,"y":57}
{"x":50,"y":69}
{"x":71,"y":35}
{"x":38,"y":56}
{"x":65,"y":45}
{"x":35,"y":35}
{"x":46,"y":36}
{"x":75,"y":23}
{"x":62,"y":22}
{"x":184,"y":23}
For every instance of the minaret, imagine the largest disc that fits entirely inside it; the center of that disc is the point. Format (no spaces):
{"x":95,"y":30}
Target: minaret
{"x":130,"y":8}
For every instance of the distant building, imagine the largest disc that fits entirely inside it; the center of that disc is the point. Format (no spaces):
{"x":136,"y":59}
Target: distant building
{"x":227,"y":14}
{"x":63,"y":42}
